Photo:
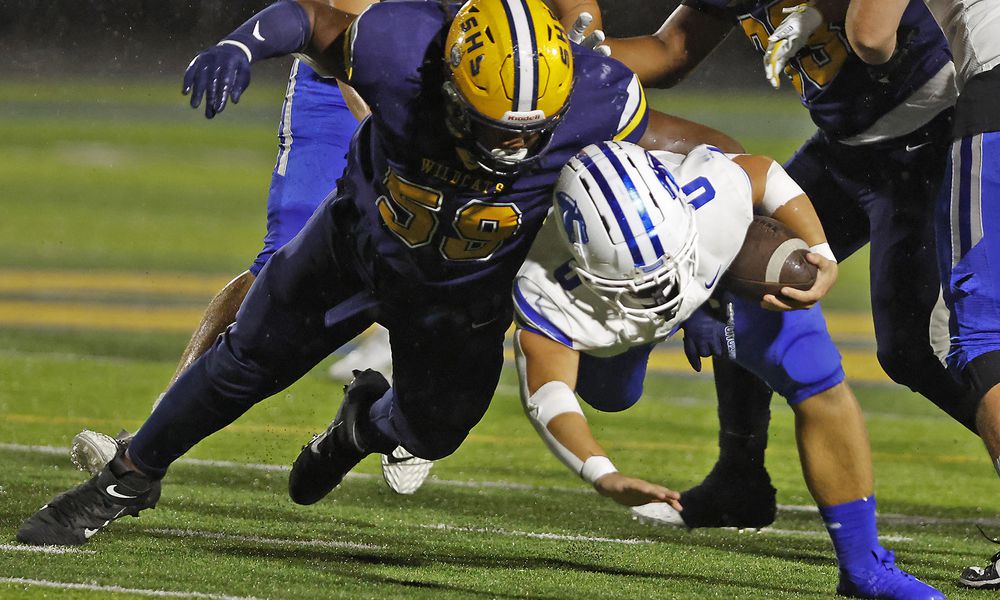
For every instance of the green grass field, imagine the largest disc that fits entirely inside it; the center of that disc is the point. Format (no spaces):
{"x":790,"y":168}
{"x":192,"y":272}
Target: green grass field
{"x":122,"y":211}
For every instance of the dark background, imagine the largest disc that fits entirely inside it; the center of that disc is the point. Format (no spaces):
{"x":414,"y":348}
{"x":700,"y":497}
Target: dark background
{"x":157,"y":38}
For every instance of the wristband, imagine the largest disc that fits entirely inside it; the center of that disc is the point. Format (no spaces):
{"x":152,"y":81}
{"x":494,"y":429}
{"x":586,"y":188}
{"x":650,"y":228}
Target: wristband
{"x":596,"y":467}
{"x":823,"y":250}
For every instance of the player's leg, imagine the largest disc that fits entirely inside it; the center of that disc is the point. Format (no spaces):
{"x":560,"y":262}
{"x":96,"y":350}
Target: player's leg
{"x":899,"y":194}
{"x":968,"y":255}
{"x":794,"y":353}
{"x":446,"y":364}
{"x":314,"y":132}
{"x":279,"y":334}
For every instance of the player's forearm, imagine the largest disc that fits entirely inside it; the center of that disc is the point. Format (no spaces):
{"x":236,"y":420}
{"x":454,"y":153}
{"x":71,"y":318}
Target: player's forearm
{"x":665,"y":58}
{"x":871,"y":28}
{"x":674,"y":134}
{"x":800,"y":216}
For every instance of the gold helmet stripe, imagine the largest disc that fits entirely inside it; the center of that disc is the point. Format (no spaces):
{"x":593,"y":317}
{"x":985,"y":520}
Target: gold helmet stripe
{"x":522,"y":30}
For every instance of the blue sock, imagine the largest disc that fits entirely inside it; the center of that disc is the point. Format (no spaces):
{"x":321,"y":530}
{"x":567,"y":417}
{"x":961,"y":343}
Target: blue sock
{"x":855,"y":536}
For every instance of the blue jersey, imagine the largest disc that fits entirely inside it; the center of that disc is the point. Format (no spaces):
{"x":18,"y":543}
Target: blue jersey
{"x":843,"y":94}
{"x":430,"y":223}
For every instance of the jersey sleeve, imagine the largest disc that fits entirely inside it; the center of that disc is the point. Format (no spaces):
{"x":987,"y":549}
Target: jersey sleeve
{"x":634,"y":115}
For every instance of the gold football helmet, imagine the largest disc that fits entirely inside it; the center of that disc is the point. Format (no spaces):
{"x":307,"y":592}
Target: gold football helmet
{"x":511,"y":73}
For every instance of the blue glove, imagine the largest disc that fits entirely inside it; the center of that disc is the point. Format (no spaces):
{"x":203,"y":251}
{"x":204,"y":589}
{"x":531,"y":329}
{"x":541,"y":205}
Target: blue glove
{"x":223,"y":71}
{"x":705,"y":335}
{"x":220,"y":72}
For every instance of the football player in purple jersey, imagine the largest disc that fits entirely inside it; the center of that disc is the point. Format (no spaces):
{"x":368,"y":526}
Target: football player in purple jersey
{"x":473,"y":115}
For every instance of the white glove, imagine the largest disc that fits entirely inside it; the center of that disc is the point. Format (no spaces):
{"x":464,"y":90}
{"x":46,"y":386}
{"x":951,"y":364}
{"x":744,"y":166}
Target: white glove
{"x":594,"y":41}
{"x":788,"y":38}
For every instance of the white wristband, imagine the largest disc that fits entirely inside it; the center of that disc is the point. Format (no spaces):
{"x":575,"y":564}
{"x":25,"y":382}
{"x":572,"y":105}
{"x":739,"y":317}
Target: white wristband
{"x":596,"y":467}
{"x":823,"y":250}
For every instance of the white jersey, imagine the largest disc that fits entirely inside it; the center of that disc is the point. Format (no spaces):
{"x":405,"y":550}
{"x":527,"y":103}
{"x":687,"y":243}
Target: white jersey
{"x":973,"y":31}
{"x":549,"y":297}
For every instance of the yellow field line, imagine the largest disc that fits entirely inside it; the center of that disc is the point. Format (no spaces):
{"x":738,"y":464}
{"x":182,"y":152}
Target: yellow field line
{"x":76,"y":315}
{"x":182,"y":284}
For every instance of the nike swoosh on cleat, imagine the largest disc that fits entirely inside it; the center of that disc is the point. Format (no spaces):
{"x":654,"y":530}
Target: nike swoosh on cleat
{"x":392,"y":459}
{"x":709,"y":284}
{"x":910,"y":148}
{"x":256,"y":31}
{"x":89,"y":533}
{"x":113,"y":491}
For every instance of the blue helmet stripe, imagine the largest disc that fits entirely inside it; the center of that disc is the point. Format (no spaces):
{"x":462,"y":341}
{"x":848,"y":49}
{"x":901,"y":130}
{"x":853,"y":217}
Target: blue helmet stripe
{"x":637,"y":202}
{"x":609,"y":196}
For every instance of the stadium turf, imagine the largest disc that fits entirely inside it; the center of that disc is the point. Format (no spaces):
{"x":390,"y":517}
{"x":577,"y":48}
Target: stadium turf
{"x":122,"y":212}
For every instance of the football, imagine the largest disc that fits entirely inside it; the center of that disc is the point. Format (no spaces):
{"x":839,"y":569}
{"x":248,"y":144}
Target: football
{"x":771,"y":258}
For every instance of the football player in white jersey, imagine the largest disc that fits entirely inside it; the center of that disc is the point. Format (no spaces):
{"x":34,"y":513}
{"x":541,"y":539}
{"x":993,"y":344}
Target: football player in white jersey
{"x":968,"y":212}
{"x":635,"y":244}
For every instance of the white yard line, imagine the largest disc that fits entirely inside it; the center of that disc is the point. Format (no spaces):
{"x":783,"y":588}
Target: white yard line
{"x":43,"y":549}
{"x":537,"y":535}
{"x":67,"y":585}
{"x":216,"y":535}
{"x":507,"y":485}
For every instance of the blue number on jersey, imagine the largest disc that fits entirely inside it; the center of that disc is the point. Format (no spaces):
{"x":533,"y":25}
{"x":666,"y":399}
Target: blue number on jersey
{"x":705,"y":192}
{"x":566,"y":276}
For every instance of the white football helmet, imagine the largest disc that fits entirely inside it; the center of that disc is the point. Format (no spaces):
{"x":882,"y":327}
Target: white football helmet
{"x":629,"y":226}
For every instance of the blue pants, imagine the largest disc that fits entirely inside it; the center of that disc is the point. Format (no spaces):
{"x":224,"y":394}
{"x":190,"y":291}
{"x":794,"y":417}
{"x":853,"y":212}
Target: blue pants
{"x":969,"y":248}
{"x":791,"y":351}
{"x":313,"y":136}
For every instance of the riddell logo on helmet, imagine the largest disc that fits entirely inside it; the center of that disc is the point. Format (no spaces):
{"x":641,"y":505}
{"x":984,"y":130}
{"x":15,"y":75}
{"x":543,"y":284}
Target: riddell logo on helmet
{"x":533,"y":116}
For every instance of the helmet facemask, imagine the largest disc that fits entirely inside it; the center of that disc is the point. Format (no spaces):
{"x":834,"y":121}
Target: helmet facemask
{"x":654,"y":291}
{"x":498,"y":147}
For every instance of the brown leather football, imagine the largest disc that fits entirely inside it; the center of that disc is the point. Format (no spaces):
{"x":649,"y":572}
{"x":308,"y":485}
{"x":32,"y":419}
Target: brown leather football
{"x":771,"y":258}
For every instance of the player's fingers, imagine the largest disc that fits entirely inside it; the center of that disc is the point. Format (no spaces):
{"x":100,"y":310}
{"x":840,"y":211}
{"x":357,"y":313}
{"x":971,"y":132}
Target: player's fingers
{"x":691,"y":351}
{"x":676,"y":504}
{"x":771,"y":302}
{"x":593,"y":40}
{"x":189,"y":76}
{"x":579,"y":26}
{"x":199,"y":80}
{"x":604,"y":50}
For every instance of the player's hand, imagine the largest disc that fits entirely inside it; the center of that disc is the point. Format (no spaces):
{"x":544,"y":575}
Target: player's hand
{"x":631,"y":491}
{"x":705,"y":335}
{"x":793,"y":299}
{"x":219,"y":73}
{"x":594,"y":41}
{"x":788,"y":38}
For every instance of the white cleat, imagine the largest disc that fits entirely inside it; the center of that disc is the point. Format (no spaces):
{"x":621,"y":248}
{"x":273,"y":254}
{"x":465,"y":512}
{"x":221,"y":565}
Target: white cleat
{"x":657,"y":513}
{"x":91,"y":451}
{"x":403,"y":472}
{"x":372,"y":352}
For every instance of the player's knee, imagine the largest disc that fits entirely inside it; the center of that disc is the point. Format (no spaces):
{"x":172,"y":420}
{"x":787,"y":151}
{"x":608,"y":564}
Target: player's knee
{"x":903,"y":362}
{"x":610,"y":400}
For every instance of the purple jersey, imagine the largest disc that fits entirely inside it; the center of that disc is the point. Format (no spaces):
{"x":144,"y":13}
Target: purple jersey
{"x":429,"y":223}
{"x":843,"y":94}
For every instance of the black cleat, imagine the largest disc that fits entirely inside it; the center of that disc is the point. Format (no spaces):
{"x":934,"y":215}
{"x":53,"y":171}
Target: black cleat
{"x":982,"y":578}
{"x":325,"y":460}
{"x":72,"y":518}
{"x":730,"y":497}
